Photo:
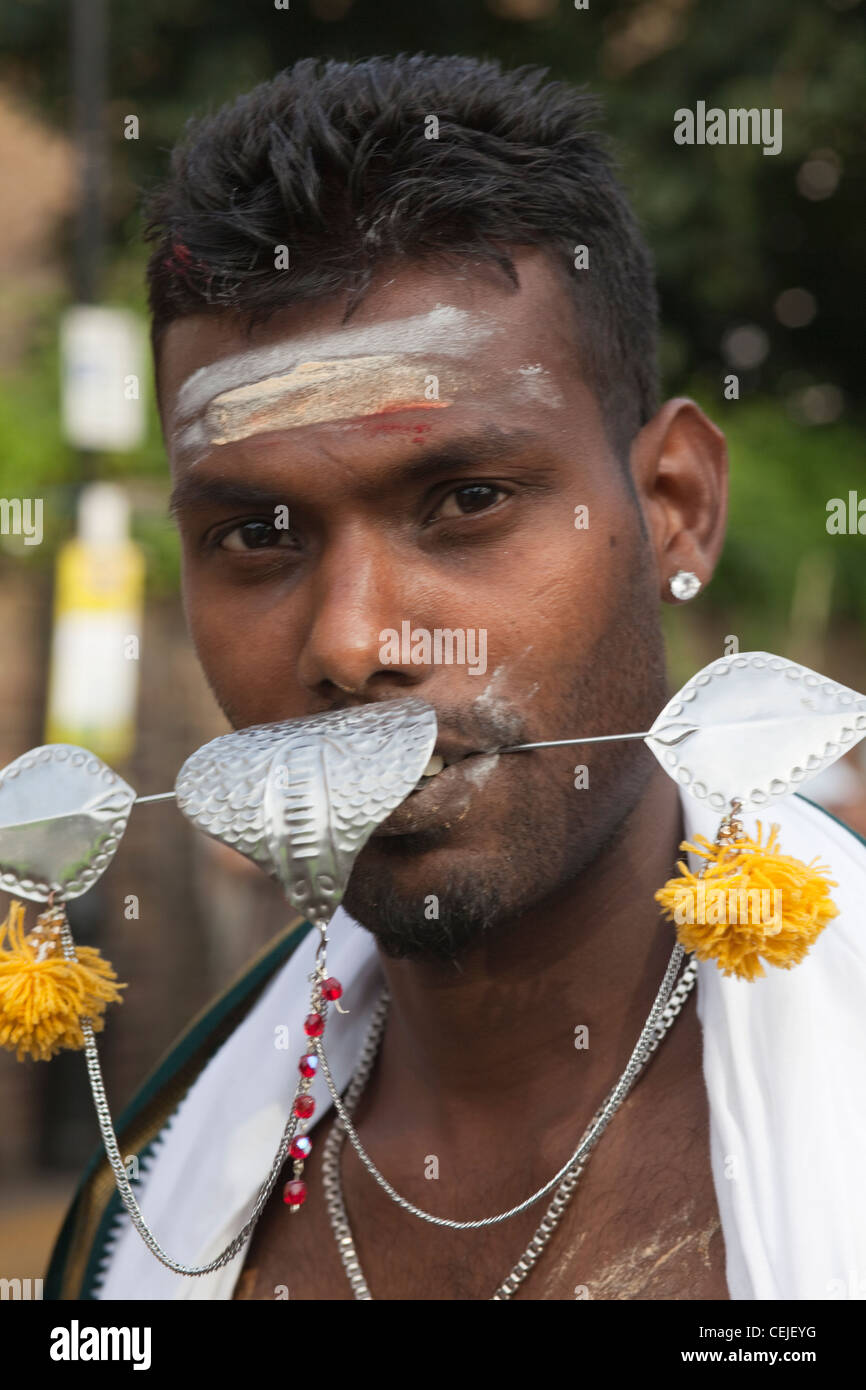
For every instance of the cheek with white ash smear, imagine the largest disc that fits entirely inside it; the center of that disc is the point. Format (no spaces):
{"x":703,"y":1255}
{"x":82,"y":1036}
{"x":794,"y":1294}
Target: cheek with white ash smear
{"x":481,"y":768}
{"x":502,"y":712}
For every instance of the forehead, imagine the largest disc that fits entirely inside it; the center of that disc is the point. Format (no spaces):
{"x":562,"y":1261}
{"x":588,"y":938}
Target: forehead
{"x":469,"y":326}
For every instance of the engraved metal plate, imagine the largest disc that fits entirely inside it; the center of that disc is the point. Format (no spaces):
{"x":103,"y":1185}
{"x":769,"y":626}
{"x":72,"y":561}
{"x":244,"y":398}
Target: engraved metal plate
{"x":62,"y":816}
{"x":754,"y":727}
{"x":302,"y":796}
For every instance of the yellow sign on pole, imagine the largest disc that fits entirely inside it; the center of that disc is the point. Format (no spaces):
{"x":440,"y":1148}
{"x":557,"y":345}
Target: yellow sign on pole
{"x":93,"y":684}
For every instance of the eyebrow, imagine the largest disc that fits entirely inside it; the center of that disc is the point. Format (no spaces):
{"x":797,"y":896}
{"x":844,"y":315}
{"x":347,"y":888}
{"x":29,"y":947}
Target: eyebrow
{"x":194,"y":491}
{"x":461,"y":452}
{"x":453,"y":455}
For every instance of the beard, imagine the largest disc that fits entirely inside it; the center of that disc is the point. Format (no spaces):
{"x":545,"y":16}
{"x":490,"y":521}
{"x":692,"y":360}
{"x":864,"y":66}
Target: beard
{"x":436,"y":897}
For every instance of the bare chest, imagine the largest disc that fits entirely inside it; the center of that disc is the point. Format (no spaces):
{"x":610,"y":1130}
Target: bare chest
{"x":643,"y":1223}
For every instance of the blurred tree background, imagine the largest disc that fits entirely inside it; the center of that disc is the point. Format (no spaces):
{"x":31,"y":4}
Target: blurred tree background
{"x":759,"y":257}
{"x":759,"y":262}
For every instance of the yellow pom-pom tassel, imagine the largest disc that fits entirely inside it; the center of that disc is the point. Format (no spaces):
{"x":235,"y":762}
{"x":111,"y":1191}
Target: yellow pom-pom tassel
{"x":721,"y":913}
{"x":45,"y":998}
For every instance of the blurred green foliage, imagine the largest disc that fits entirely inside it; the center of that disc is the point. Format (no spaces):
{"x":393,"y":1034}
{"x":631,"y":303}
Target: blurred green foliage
{"x":782,"y":476}
{"x":730,"y":227}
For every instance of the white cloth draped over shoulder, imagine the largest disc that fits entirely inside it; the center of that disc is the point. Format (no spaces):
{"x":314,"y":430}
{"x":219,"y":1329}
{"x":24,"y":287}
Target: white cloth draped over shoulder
{"x":784,"y":1059}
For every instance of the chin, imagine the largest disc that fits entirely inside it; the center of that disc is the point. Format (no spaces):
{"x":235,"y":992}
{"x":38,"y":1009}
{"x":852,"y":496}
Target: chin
{"x":441,"y":920}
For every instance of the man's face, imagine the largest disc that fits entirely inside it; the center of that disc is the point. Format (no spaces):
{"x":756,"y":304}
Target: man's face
{"x":444,"y":465}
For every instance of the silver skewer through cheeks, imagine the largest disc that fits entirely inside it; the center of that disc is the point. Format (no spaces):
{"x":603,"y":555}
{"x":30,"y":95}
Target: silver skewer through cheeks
{"x":780,"y":724}
{"x":677,"y":734}
{"x":753,"y":727}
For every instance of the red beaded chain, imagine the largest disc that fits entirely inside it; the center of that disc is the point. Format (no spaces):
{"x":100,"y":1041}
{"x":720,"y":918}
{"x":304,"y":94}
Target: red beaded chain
{"x":329,"y":989}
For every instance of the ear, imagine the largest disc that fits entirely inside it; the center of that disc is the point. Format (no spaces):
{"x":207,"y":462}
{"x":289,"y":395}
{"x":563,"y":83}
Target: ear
{"x":679,"y":464}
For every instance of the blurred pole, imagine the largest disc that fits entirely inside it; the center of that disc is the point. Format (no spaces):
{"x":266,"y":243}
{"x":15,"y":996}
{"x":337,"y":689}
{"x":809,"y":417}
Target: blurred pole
{"x":68,"y":1131}
{"x":89,"y":59}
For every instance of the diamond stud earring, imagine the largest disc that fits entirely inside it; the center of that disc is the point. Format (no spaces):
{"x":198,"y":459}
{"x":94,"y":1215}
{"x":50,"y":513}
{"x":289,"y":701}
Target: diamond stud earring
{"x":684,"y":585}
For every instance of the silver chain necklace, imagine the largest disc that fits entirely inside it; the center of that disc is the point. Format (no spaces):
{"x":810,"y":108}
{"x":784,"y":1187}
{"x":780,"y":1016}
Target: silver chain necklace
{"x":667,"y":1006}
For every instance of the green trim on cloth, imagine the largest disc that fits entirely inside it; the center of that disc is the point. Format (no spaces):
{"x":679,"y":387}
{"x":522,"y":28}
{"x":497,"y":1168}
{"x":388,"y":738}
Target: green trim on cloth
{"x":74,"y":1267}
{"x":830,"y":816}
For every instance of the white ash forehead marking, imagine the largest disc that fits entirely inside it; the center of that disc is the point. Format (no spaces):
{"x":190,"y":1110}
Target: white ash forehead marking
{"x":537,"y":383}
{"x":444,"y":330}
{"x":334,"y":389}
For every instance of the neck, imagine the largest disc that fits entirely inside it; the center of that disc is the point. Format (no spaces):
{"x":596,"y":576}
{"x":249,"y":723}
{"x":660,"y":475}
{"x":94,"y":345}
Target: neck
{"x":488,"y":1030}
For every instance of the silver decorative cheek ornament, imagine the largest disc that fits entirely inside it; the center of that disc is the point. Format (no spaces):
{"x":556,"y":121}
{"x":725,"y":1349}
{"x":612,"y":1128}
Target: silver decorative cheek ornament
{"x":745,"y":732}
{"x":62,"y":816}
{"x":301,"y":799}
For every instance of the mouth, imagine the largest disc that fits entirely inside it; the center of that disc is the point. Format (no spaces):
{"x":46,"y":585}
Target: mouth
{"x":440,"y":759}
{"x":444,"y":792}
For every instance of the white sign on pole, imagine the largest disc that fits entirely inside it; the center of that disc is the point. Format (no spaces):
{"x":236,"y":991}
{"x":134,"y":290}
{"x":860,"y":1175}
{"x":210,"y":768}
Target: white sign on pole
{"x":102,"y":354}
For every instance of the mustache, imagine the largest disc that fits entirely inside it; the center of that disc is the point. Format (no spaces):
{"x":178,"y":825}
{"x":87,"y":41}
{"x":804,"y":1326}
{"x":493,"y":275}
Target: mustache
{"x":485,"y":728}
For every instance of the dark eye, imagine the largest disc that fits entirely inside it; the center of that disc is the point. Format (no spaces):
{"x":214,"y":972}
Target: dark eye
{"x":257,"y":534}
{"x":474,"y":497}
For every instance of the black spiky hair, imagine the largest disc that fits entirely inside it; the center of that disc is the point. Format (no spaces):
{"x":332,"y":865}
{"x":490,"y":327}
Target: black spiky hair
{"x":356,"y":166}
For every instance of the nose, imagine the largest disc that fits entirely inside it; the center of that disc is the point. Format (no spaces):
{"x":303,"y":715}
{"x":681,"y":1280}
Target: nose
{"x":359,"y":591}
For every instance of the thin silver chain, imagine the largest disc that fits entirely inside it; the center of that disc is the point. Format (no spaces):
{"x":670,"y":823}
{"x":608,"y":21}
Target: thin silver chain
{"x":109,"y":1139}
{"x":658,"y":1023}
{"x":617,"y":1095}
{"x":667,"y":1006}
